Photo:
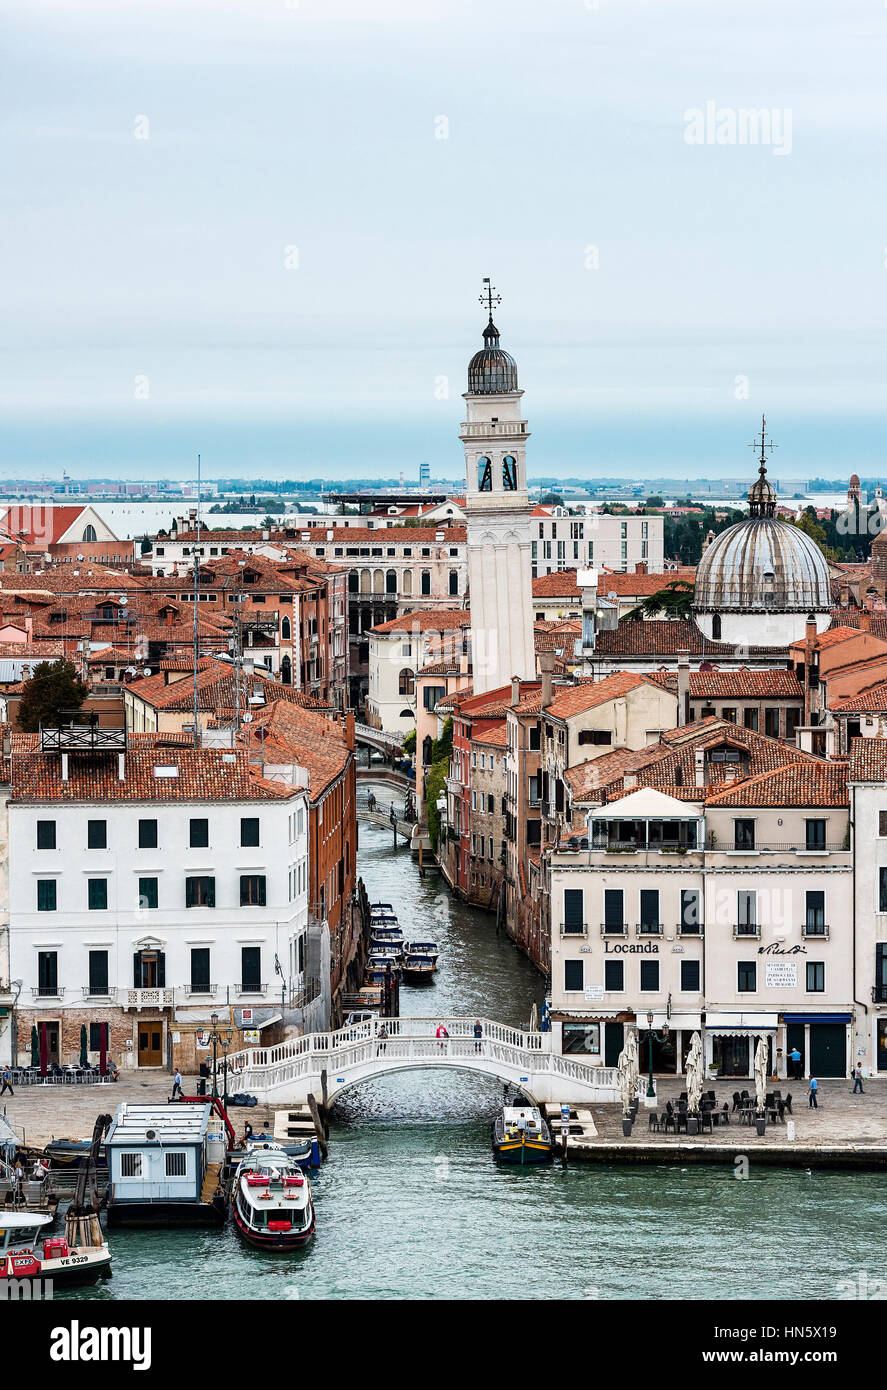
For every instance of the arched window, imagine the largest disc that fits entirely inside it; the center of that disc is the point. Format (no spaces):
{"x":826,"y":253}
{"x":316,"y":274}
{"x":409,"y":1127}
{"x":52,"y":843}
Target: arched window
{"x":484,"y":474}
{"x":89,"y":533}
{"x":406,"y":682}
{"x":378,"y":582}
{"x":365,"y":581}
{"x":286,"y":671}
{"x":716,"y":627}
{"x":407,"y":582}
{"x":391,"y":582}
{"x":427,"y":749}
{"x":509,"y":473}
{"x":285,"y":629}
{"x":407,"y":714}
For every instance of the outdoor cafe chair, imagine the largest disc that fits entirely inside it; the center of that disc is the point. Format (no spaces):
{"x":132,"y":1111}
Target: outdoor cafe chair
{"x":788,"y":1102}
{"x":737,"y":1101}
{"x":654,"y":1122}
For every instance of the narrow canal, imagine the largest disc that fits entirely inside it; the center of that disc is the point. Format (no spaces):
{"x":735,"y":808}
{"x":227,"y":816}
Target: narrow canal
{"x":411,"y":1204}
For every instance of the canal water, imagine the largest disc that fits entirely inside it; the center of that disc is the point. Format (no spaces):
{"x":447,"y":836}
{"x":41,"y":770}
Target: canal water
{"x":412,"y":1205}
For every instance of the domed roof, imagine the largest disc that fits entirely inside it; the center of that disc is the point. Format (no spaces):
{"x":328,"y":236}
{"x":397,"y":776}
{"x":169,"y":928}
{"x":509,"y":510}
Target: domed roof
{"x":762,"y":564}
{"x":492,"y":370}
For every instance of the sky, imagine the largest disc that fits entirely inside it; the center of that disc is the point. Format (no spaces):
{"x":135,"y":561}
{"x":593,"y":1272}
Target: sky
{"x":257,"y":229}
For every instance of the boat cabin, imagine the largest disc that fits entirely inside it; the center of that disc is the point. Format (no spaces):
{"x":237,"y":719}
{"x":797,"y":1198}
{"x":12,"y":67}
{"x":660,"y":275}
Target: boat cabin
{"x":20,"y":1230}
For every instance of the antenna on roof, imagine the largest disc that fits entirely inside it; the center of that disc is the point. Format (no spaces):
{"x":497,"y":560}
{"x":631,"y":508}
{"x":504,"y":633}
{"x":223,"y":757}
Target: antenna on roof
{"x":196,"y":598}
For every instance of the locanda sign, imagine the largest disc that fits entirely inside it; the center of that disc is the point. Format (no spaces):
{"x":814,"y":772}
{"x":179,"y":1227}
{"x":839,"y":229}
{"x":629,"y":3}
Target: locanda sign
{"x":614,"y":948}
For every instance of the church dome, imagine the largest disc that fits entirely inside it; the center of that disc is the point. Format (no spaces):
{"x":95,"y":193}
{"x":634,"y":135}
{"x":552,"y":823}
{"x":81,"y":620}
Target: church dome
{"x":491,"y":371}
{"x":762,"y":564}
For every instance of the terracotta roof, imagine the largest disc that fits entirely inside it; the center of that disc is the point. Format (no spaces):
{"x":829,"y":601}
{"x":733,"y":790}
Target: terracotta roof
{"x":558,"y":584}
{"x":664,"y":637}
{"x":742,"y":684}
{"x":830,"y":638}
{"x":803,"y":784}
{"x":642,"y":585}
{"x":206,"y":774}
{"x":589,"y":694}
{"x":215,"y":688}
{"x":440,"y":668}
{"x":671,"y":763}
{"x":40,"y":523}
{"x":286,"y":733}
{"x":427,"y":620}
{"x":871,"y":701}
{"x":868,"y":760}
{"x":557,"y":636}
{"x":497,"y":735}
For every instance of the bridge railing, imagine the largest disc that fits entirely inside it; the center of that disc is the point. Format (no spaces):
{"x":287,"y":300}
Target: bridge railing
{"x":358,"y":1055}
{"x":324,"y":1043}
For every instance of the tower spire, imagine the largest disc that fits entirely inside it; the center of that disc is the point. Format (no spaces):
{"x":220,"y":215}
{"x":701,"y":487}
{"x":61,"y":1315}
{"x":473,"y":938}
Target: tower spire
{"x":762,"y":495}
{"x":764,"y":445}
{"x":489,"y":296}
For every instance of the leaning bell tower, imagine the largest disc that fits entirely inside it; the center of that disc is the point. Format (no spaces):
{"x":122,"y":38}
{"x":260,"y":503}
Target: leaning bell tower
{"x":498,"y":515}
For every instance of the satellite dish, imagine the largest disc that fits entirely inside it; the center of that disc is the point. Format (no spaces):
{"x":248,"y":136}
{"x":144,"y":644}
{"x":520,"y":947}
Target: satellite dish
{"x":247,"y":718}
{"x":150,"y":1134}
{"x":147,"y":671}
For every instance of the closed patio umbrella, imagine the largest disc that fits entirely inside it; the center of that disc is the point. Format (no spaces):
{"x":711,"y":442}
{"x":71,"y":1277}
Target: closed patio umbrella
{"x":694,"y":1075}
{"x":35,"y":1047}
{"x":761,"y":1071}
{"x":44,"y":1049}
{"x":84,"y":1050}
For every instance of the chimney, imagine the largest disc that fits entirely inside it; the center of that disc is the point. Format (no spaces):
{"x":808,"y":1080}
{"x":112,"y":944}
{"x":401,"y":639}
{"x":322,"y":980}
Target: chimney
{"x":546,"y":667}
{"x":683,"y":687}
{"x":699,"y":763}
{"x":629,"y":781}
{"x":731,"y":774}
{"x":865,"y":620}
{"x":515,"y":690}
{"x":641,"y":567}
{"x":844,"y":595}
{"x":349,"y":730}
{"x":810,"y":629}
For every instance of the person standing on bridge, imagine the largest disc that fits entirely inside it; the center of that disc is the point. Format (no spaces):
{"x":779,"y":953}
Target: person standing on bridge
{"x":382,"y":1039}
{"x":442,"y":1035}
{"x":478,"y":1035}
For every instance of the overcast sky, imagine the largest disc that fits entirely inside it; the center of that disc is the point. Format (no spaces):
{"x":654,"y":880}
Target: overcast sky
{"x":234,"y":226}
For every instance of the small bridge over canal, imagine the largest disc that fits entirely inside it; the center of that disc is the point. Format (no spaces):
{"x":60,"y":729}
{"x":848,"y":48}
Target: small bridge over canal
{"x":326,"y":1064}
{"x":378,"y":739}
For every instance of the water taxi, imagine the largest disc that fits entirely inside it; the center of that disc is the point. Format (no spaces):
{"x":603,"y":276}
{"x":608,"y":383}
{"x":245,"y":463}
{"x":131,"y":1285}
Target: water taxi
{"x":27,"y":1252}
{"x":419,"y":961}
{"x":272,"y":1206}
{"x":520,"y":1135}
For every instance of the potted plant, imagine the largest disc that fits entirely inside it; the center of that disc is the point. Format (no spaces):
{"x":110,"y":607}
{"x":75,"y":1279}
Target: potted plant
{"x":692,"y":1124}
{"x":627,"y":1123}
{"x":761,"y":1125}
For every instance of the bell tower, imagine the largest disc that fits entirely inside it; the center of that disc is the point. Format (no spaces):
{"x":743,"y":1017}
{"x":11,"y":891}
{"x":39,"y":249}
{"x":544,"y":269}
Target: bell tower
{"x":498,"y":514}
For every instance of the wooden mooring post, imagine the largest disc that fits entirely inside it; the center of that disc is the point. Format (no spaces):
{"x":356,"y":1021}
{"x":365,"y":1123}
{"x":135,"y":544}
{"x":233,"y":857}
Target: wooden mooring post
{"x":319,"y":1126}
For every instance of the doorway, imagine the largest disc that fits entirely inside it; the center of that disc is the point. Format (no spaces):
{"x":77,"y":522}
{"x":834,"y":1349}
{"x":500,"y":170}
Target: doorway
{"x":882,"y":1044}
{"x":614,"y":1041}
{"x":150,"y":1039}
{"x":828,"y":1049}
{"x":51,"y":1030}
{"x":731,"y":1053}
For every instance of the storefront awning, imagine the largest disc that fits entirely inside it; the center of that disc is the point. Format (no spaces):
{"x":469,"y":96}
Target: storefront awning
{"x":817,"y":1018}
{"x":673,"y":1020}
{"x":741,"y":1022}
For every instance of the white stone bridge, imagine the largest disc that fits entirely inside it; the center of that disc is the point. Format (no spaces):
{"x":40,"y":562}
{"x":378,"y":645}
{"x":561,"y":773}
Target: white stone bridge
{"x":326,"y":1064}
{"x":377,"y":738}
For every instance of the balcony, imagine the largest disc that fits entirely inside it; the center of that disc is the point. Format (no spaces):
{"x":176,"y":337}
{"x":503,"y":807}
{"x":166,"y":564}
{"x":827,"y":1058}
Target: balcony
{"x":483,"y":429}
{"x":149,"y":997}
{"x":648,"y":929}
{"x":614,"y":929}
{"x":195,"y":990}
{"x":575,"y":929}
{"x":818,"y":930}
{"x":778,"y":847}
{"x":83,"y":737}
{"x":107,"y":993}
{"x":47,"y":992}
{"x":247,"y":988}
{"x":749,"y":931}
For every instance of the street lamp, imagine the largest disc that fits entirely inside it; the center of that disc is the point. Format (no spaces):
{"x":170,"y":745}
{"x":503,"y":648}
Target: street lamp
{"x":661,"y":1035}
{"x":226,"y":1043}
{"x":215,"y":1023}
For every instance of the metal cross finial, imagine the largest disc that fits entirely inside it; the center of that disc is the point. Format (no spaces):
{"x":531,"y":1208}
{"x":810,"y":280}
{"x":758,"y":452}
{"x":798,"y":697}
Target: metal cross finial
{"x":763,"y":445}
{"x":489,"y":297}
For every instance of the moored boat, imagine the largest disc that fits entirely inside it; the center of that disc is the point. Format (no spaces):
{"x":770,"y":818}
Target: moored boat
{"x":521,"y":1135}
{"x":26,"y":1252}
{"x":419,"y":963}
{"x":273,"y":1207}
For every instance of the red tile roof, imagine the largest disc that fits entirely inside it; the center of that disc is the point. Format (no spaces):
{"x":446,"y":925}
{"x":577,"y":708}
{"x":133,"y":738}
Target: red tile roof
{"x":868,"y":760}
{"x":427,"y":620}
{"x":803,"y":784}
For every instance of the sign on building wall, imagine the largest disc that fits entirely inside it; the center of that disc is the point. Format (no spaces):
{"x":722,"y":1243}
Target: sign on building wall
{"x":780,"y":974}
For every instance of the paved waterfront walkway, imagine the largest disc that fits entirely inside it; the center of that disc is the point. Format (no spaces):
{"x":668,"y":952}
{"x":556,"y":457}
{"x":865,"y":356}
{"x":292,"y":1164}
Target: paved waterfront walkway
{"x":40,"y":1113}
{"x":842,"y":1118}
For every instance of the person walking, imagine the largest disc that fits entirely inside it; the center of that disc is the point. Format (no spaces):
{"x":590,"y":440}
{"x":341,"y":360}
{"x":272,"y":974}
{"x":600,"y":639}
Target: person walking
{"x":382,"y":1039}
{"x":814,"y":1087}
{"x":795,"y":1058}
{"x":177,"y":1084}
{"x":478,"y":1035}
{"x":7,"y":1082}
{"x":857,"y":1080}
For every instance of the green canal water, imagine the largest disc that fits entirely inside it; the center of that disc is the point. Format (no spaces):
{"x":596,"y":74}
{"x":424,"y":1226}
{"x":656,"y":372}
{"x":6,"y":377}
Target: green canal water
{"x":412,"y":1205}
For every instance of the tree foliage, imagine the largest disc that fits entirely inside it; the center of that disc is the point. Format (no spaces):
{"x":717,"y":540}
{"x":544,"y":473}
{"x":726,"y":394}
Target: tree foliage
{"x":674,"y":600}
{"x":54,"y":686}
